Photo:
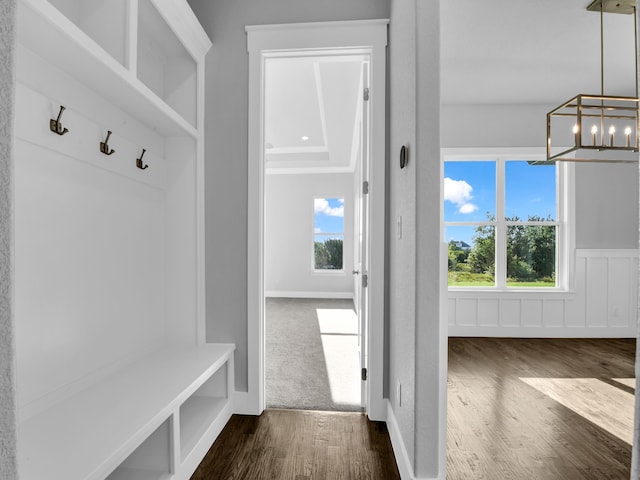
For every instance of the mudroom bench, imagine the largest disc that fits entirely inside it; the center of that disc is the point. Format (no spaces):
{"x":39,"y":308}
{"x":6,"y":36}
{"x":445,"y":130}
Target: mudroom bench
{"x":154,"y":419}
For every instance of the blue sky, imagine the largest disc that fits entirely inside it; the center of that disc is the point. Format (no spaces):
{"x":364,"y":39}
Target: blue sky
{"x":328,"y":215}
{"x":470,"y":192}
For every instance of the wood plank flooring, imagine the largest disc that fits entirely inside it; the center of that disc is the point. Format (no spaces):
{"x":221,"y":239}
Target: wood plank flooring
{"x":518,"y":409}
{"x":300,"y":445}
{"x":556,"y":409}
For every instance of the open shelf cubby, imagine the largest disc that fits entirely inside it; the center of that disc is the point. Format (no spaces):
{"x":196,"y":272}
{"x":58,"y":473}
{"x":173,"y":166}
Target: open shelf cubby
{"x":201,"y":408}
{"x":104,"y":21}
{"x":151,"y":460}
{"x":164,"y":64}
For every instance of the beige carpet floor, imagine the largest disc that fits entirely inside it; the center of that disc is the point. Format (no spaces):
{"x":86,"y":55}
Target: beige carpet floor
{"x":312,"y":360}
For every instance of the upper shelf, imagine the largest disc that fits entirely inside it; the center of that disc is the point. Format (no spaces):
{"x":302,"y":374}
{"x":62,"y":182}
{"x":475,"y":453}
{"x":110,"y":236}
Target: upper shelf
{"x":142,"y":56}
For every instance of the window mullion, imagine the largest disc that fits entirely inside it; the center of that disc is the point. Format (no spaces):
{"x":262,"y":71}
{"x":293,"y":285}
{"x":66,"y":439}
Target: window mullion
{"x":500,"y":228}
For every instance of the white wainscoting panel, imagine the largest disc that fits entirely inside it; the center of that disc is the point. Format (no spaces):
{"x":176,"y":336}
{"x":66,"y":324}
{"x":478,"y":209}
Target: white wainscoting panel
{"x":602,"y":303}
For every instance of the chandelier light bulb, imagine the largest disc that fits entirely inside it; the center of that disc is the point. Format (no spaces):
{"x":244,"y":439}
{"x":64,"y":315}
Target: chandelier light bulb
{"x":627,"y":132}
{"x":612,"y":131}
{"x":594,"y":132}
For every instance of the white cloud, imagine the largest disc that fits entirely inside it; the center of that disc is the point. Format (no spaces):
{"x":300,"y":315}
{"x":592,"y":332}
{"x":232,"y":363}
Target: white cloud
{"x":468,"y":208}
{"x":458,"y":192}
{"x":321,"y":205}
{"x":317,"y":230}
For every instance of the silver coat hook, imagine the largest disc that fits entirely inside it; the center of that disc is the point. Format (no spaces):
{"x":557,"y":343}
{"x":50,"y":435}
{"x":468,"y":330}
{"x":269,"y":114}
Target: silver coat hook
{"x":104,"y":146}
{"x":139,"y":161}
{"x":55,"y":125}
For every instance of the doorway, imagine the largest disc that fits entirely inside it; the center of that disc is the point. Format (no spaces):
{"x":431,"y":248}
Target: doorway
{"x":340,"y":40}
{"x":315,"y":126}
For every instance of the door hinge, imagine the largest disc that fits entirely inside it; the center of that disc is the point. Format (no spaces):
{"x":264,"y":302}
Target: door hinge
{"x":365,"y":280}
{"x":365,"y":187}
{"x":364,"y":375}
{"x":365,"y":95}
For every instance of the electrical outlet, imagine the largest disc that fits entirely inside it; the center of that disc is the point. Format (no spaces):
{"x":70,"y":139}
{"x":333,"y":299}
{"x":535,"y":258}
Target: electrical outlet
{"x":399,"y":227}
{"x":399,"y":393}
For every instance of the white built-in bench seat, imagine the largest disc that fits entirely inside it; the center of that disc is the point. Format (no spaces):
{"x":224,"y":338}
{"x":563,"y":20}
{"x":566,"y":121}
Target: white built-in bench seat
{"x":154,"y":419}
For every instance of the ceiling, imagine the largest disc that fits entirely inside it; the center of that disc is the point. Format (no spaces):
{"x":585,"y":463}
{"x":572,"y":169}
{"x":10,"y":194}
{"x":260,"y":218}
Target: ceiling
{"x":312,"y":112}
{"x":539,"y":52}
{"x":531,"y":51}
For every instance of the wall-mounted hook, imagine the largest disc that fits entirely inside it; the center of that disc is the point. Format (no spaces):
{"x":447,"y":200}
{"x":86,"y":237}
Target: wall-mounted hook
{"x":55,"y":125}
{"x":104,"y":146}
{"x":139,"y":161}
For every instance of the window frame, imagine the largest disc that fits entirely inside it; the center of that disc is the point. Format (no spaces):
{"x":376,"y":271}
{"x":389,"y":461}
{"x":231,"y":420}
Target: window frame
{"x":326,"y":271}
{"x":565,"y":213}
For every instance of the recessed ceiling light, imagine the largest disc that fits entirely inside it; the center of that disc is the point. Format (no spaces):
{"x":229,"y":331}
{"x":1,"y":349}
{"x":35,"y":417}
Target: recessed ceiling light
{"x":305,"y":138}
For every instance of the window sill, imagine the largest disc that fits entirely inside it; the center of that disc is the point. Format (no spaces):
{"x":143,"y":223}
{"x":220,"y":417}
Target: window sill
{"x":329,"y":273}
{"x":502,"y":292}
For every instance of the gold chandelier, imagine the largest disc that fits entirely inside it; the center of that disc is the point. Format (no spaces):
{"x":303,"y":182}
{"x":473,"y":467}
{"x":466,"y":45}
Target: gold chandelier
{"x":602,"y":128}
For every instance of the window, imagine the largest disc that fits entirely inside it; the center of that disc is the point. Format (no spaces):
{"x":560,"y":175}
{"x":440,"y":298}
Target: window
{"x":328,"y":234}
{"x":502,"y":223}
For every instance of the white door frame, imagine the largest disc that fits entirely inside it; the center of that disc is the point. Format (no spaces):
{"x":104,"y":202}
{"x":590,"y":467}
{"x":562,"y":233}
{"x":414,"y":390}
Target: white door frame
{"x":265,"y":40}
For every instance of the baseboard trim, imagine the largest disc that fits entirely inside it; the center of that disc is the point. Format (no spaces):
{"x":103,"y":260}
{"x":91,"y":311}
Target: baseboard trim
{"x":399,"y":450}
{"x":244,"y":404}
{"x":542,"y":332}
{"x":338,"y":295}
{"x":402,"y":457}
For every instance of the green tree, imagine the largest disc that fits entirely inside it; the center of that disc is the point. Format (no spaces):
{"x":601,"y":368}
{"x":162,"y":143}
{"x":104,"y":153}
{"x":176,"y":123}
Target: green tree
{"x":542,"y":248}
{"x":328,"y":254}
{"x":457,"y":256}
{"x":518,"y":257}
{"x":530,"y":250}
{"x":482,"y":258}
{"x":333,"y":247}
{"x":321,"y":256}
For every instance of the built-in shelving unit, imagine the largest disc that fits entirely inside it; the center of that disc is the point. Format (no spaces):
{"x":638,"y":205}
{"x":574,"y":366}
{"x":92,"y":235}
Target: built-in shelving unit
{"x":72,"y":47}
{"x":115,"y":378}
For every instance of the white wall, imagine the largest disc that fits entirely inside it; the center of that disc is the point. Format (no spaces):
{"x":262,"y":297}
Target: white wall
{"x":226,"y":110}
{"x":606,"y":206}
{"x":288,"y":236}
{"x":417,"y":336}
{"x":8,"y":417}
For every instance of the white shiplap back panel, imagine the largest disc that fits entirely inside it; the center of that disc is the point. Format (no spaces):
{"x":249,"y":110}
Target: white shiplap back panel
{"x":89,"y":249}
{"x":597,"y":279}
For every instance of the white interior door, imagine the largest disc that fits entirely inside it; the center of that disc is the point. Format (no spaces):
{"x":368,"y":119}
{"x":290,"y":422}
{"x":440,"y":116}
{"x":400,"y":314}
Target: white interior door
{"x":362,"y":232}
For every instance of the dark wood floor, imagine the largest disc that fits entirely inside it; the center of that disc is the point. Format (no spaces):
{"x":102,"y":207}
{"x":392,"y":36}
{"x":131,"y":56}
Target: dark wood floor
{"x":300,"y":445}
{"x":540,"y":409}
{"x":517,"y":409}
